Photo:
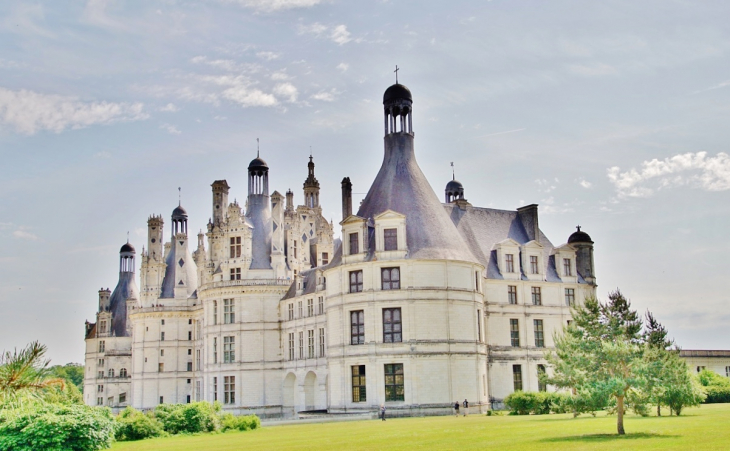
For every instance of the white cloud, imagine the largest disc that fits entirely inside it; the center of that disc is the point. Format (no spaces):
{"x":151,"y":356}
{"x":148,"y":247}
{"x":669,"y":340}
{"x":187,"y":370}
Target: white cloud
{"x":280,"y":76}
{"x":337,"y":34}
{"x":29,"y":111}
{"x":545,"y":186}
{"x":585,"y":184}
{"x":690,"y":169}
{"x":724,"y":84}
{"x":268,"y":56}
{"x":171,"y":129}
{"x":246,"y":97}
{"x":343,"y":67}
{"x":23,"y":235}
{"x":287,"y":91}
{"x":274,"y":5}
{"x":103,"y":155}
{"x":170,"y":108}
{"x":340,"y":35}
{"x":325,"y":96}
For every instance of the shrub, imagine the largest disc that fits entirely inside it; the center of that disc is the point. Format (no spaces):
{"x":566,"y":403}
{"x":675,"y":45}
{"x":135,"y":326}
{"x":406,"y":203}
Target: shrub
{"x":520,"y":402}
{"x":717,"y":394}
{"x":709,"y":378}
{"x":539,"y":403}
{"x":242,"y":423}
{"x":188,"y":418}
{"x":55,"y":427}
{"x":135,"y":425}
{"x":560,"y":402}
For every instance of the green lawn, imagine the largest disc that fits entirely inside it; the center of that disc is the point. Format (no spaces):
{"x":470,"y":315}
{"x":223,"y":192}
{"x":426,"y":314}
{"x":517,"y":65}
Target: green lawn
{"x":707,"y":427}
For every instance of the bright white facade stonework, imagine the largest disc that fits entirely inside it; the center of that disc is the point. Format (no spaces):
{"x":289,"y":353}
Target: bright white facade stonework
{"x":420,"y":304}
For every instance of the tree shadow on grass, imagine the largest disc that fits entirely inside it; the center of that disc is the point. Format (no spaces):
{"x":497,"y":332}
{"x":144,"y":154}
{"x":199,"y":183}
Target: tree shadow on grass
{"x":596,"y":438}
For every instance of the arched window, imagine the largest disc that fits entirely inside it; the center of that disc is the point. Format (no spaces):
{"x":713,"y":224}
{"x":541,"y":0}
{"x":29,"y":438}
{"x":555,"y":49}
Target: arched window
{"x":111,"y":372}
{"x":123,"y":372}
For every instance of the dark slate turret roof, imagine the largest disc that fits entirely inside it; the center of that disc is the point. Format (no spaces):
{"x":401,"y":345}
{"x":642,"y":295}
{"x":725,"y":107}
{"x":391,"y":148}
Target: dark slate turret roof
{"x":579,"y":237}
{"x":179,"y":213}
{"x":258,"y":163}
{"x":127,"y":248}
{"x":126,"y":289}
{"x":397,"y":92}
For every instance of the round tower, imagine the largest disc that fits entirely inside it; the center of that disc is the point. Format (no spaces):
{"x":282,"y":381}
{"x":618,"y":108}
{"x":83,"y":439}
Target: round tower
{"x":583,"y":245}
{"x":126,"y":258}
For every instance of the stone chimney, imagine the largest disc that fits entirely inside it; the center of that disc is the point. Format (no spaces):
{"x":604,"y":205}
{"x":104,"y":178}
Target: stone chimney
{"x":346,"y":198}
{"x":528,"y":216}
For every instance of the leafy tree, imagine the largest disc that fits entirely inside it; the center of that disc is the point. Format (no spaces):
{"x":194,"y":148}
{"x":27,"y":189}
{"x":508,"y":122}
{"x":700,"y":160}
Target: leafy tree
{"x":600,"y":355}
{"x":25,"y":373}
{"x":657,"y":358}
{"x":135,"y":425}
{"x":71,"y":372}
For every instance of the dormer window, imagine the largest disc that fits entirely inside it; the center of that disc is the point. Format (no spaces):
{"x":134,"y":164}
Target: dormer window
{"x":235,"y":247}
{"x":390,"y":239}
{"x":509,"y":260}
{"x":533,"y":265}
{"x":354,"y":241}
{"x":567,"y":269}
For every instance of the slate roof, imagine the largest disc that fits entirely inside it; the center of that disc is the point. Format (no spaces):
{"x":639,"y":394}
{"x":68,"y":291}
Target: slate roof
{"x":171,"y":272}
{"x":258,"y":215}
{"x":126,"y":289}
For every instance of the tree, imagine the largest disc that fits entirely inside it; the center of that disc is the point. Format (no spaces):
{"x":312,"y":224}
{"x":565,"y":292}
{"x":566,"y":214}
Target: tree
{"x":601,"y":352}
{"x":71,"y":372}
{"x":655,"y":338}
{"x":25,"y":373}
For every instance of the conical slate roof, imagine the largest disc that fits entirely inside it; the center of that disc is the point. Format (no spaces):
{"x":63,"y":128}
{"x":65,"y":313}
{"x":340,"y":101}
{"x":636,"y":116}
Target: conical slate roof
{"x":401,"y":186}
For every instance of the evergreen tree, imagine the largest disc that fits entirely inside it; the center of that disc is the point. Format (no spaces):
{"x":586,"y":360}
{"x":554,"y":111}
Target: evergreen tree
{"x":601,"y":352}
{"x":25,"y":373}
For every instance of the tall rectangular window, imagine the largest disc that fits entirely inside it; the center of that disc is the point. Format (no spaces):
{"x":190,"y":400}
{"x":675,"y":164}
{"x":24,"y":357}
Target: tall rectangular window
{"x":392,"y":326}
{"x":727,"y":371}
{"x":359,"y":392}
{"x":514,"y":333}
{"x":190,"y":366}
{"x":533,"y":264}
{"x":300,"y":309}
{"x":197,"y":390}
{"x":291,"y":311}
{"x":541,"y":386}
{"x":325,"y":258}
{"x":229,"y":314}
{"x":570,"y":297}
{"x":160,"y":367}
{"x":390,"y":278}
{"x":539,"y":334}
{"x":215,"y":312}
{"x":291,"y":345}
{"x":102,"y":327}
{"x":479,"y":325}
{"x":310,"y":307}
{"x":536,"y":296}
{"x":355,"y":281}
{"x":235,"y":247}
{"x":390,"y":239}
{"x":301,"y":345}
{"x":321,"y":341}
{"x":215,"y":389}
{"x":512,"y":294}
{"x":394,"y":385}
{"x":229,"y":349}
{"x":102,"y":346}
{"x":509,"y":260}
{"x":215,"y":349}
{"x":357,"y":327}
{"x":229,"y":389}
{"x":517,"y":377}
{"x":320,"y":305}
{"x":567,"y":270}
{"x":197,"y":359}
{"x":235,"y":273}
{"x":354,"y":245}
{"x":310,"y":343}
{"x":162,"y":336}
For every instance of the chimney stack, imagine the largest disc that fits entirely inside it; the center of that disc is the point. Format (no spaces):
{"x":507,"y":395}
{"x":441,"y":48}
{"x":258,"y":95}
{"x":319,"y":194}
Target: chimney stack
{"x":346,"y":198}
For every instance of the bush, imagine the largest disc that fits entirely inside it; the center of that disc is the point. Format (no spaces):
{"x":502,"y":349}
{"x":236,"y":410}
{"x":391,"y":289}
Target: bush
{"x":241,"y":423}
{"x":709,"y":378}
{"x":560,"y":403}
{"x":717,"y":394}
{"x":188,"y":418}
{"x":55,"y":427}
{"x":536,"y":403}
{"x":135,"y":425}
{"x":520,"y":402}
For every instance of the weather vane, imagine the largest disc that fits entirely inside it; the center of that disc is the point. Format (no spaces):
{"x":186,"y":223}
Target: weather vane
{"x":257,"y":148}
{"x":396,"y":73}
{"x":453,"y":174}
{"x":179,"y":196}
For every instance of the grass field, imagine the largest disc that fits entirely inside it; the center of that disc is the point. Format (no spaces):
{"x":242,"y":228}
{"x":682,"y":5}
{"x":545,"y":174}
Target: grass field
{"x":707,"y":427}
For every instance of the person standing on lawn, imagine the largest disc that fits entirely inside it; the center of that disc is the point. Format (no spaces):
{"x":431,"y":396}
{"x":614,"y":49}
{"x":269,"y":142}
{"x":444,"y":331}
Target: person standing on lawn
{"x":382,"y":411}
{"x":466,"y":407}
{"x":456,"y":409}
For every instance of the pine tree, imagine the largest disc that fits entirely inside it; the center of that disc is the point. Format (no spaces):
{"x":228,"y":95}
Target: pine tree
{"x":601,"y":352}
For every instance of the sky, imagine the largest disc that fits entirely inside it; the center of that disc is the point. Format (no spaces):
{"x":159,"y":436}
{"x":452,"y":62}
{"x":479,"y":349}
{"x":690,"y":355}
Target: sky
{"x":611,"y":115}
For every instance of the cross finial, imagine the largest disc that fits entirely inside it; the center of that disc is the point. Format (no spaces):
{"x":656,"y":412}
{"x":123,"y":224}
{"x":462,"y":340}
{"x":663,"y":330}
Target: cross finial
{"x":179,"y":196}
{"x":453,"y":174}
{"x":396,"y":73}
{"x":127,"y":236}
{"x":310,"y":151}
{"x":578,"y":227}
{"x":257,"y":148}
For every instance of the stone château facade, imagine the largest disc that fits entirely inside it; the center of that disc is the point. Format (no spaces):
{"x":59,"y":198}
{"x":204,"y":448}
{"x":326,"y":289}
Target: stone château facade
{"x":420,"y":304}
